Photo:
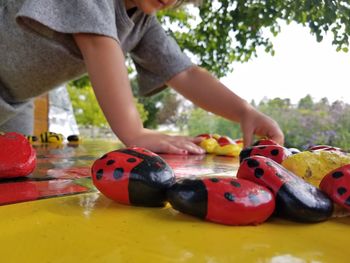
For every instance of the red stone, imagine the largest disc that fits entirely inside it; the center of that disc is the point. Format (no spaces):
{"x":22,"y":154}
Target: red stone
{"x":17,"y":156}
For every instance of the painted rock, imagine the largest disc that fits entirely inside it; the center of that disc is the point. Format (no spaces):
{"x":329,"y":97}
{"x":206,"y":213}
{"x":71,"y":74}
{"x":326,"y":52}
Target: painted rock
{"x":73,"y":138}
{"x":275,"y":152}
{"x":337,"y":185}
{"x":265,"y":142}
{"x":17,"y":156}
{"x":324,"y":148}
{"x":32,"y":138}
{"x":313,"y":166}
{"x":232,"y":150}
{"x":220,"y":145}
{"x":133,"y":176}
{"x":209,"y":144}
{"x":51,"y":137}
{"x":295,"y":199}
{"x":223,"y":200}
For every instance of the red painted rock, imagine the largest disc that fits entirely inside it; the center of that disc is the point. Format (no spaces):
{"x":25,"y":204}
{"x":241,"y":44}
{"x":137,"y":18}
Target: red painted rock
{"x":223,"y":200}
{"x":17,"y":156}
{"x":337,"y":185}
{"x":275,"y":152}
{"x":265,"y":142}
{"x":133,"y":176}
{"x":295,"y":199}
{"x":324,"y":148}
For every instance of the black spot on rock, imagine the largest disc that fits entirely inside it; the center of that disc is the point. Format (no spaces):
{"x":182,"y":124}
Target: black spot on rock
{"x":337,"y":175}
{"x":341,"y":190}
{"x":110,"y":162}
{"x":99,"y":174}
{"x":258,"y":172}
{"x":245,"y":153}
{"x":275,"y":152}
{"x":118,"y":173}
{"x":229,"y":197}
{"x":252,"y":163}
{"x":235,"y":183}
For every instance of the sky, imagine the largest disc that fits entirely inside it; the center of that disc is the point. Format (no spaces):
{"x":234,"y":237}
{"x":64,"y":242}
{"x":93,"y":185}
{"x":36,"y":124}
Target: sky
{"x":300,"y":66}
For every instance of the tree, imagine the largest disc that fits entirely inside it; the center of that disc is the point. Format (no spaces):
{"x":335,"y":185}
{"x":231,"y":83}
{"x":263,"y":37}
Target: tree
{"x":86,"y":108}
{"x":232,"y":30}
{"x":306,"y":103}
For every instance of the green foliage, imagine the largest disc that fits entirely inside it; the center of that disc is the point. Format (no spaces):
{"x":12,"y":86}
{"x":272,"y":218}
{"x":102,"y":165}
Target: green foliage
{"x":201,"y":121}
{"x":311,"y":123}
{"x":86,"y":108}
{"x":232,"y":30}
{"x":304,"y":124}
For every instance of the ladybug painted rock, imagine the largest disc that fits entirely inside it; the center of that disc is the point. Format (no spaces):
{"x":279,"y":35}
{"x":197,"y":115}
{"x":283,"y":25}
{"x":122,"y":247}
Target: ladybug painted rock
{"x":295,"y":199}
{"x":223,"y":200}
{"x":265,"y":142}
{"x":17,"y":156}
{"x":275,"y":152}
{"x":133,"y":176}
{"x":337,"y":185}
{"x":324,"y":148}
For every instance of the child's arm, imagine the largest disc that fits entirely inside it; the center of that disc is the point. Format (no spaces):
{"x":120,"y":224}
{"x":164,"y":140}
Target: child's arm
{"x":105,"y":64}
{"x":204,"y":90}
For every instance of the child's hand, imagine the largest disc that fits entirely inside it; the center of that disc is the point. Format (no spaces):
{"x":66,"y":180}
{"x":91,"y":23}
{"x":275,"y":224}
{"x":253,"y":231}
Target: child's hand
{"x":254,"y":122}
{"x":162,"y":143}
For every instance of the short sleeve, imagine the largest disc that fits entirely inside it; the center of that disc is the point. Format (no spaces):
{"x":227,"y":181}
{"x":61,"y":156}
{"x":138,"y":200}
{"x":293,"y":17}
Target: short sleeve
{"x":157,"y":58}
{"x":53,"y":17}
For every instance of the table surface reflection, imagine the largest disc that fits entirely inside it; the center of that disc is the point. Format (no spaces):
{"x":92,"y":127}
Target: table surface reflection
{"x":56,"y":215}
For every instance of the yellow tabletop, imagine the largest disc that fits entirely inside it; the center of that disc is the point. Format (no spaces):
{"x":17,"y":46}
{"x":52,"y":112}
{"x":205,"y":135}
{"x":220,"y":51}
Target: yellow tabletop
{"x":88,"y":227}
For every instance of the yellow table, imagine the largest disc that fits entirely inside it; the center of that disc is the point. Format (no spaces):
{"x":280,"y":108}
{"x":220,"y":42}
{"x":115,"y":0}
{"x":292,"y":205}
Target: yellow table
{"x":88,"y":227}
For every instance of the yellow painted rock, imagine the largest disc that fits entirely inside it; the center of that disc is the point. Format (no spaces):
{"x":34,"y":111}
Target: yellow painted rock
{"x":51,"y":137}
{"x":313,"y":166}
{"x":209,"y":144}
{"x":228,"y":150}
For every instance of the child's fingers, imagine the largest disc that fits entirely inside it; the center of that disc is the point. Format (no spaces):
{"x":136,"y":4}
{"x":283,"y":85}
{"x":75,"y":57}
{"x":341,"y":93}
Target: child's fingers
{"x":186,"y":143}
{"x":247,"y":138}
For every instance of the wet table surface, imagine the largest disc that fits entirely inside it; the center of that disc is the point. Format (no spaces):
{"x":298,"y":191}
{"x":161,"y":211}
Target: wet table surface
{"x":56,"y":215}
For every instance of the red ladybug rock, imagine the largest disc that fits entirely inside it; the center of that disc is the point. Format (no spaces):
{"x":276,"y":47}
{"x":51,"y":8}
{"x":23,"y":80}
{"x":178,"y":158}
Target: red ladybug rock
{"x":204,"y":136}
{"x":17,"y":156}
{"x":324,"y":148}
{"x":295,"y":198}
{"x":265,"y":142}
{"x":224,"y":140}
{"x":337,"y":185}
{"x":223,"y":200}
{"x":133,"y":176}
{"x":275,"y":152}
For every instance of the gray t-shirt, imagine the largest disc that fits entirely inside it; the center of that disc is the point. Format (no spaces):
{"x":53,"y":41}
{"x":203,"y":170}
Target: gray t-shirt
{"x":38,"y":53}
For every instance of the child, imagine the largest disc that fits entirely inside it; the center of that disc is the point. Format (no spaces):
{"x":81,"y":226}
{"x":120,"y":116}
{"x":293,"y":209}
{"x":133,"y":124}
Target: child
{"x":44,"y":43}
